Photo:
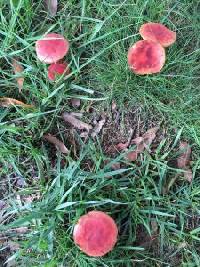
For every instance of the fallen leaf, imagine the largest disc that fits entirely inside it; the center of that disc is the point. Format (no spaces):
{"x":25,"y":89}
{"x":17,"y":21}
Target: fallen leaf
{"x":98,"y":127}
{"x":114,"y":106}
{"x":133,"y":155}
{"x":52,"y":6}
{"x":116,"y":166}
{"x":77,"y":114}
{"x":122,"y":146}
{"x":138,"y":140}
{"x":149,"y":136}
{"x":76,"y":102}
{"x":18,"y":68}
{"x":188,"y":175}
{"x":7,"y":101}
{"x":54,"y":140}
{"x":76,"y":122}
{"x":141,"y":143}
{"x":84,"y":134}
{"x":183,"y":161}
{"x":185,"y":152}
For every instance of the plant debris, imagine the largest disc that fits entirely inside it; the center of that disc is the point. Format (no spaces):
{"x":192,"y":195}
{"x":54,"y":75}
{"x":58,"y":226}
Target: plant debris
{"x":123,"y":146}
{"x":98,"y":127}
{"x":7,"y":102}
{"x":183,"y":161}
{"x":76,"y":122}
{"x":141,"y":143}
{"x":52,"y":6}
{"x":54,"y":140}
{"x":18,"y":69}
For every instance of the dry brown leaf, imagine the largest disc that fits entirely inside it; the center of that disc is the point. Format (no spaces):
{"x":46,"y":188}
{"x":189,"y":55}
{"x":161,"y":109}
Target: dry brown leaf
{"x":185,"y":152}
{"x":122,"y":146}
{"x":141,"y":143}
{"x":150,"y":135}
{"x":138,"y":140}
{"x":132,"y":156}
{"x":54,"y":140}
{"x":18,"y":68}
{"x":183,"y":161}
{"x":114,"y":106}
{"x":116,"y":166}
{"x":76,"y":122}
{"x":188,"y":175}
{"x":77,"y":114}
{"x":84,"y":135}
{"x":98,"y":127}
{"x":7,"y":102}
{"x":52,"y":6}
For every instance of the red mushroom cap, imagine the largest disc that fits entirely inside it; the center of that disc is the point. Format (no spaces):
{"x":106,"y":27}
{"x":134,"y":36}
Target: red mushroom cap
{"x":57,"y":69}
{"x":51,"y":48}
{"x":95,"y":233}
{"x":146,"y":57}
{"x":158,"y":33}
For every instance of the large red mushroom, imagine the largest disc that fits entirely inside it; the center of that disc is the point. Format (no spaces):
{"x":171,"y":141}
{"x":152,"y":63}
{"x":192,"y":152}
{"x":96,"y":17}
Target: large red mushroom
{"x":158,"y":33}
{"x":57,"y":69}
{"x":51,"y":48}
{"x":95,"y":233}
{"x":146,"y":57}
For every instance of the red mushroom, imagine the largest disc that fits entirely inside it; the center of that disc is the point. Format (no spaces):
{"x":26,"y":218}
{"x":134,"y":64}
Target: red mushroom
{"x":158,"y":33}
{"x":51,"y":48}
{"x":57,"y":69}
{"x":95,"y":233}
{"x":146,"y":57}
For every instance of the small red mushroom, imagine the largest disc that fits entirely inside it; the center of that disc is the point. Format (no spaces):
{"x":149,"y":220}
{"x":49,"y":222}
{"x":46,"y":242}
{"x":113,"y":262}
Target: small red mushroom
{"x":51,"y":48}
{"x":57,"y":69}
{"x":95,"y":233}
{"x":158,"y":33}
{"x":146,"y":57}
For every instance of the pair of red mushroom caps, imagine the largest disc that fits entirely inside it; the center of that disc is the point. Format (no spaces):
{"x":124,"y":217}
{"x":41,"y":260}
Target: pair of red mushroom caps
{"x":148,"y":56}
{"x":51,"y":49}
{"x":144,"y":57}
{"x":96,"y":232}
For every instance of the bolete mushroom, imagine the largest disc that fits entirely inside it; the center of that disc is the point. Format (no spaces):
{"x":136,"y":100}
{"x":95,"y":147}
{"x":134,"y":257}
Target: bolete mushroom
{"x":57,"y":69}
{"x":95,"y":233}
{"x":51,"y":48}
{"x":146,"y":57}
{"x":158,"y":33}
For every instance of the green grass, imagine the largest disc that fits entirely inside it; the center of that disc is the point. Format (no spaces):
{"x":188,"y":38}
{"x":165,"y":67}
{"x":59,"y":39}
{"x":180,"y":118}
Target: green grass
{"x":100,"y":33}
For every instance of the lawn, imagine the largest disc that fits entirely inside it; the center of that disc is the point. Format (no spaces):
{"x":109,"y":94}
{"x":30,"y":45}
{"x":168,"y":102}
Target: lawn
{"x":43,"y":192}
